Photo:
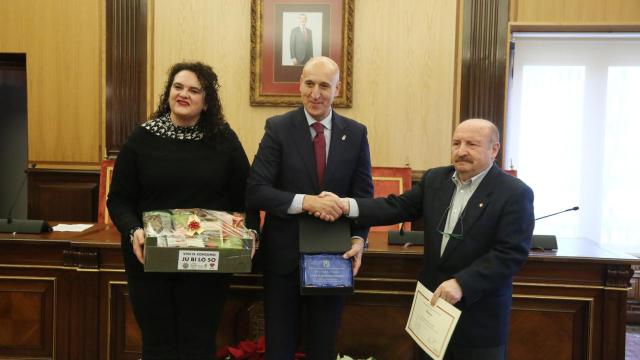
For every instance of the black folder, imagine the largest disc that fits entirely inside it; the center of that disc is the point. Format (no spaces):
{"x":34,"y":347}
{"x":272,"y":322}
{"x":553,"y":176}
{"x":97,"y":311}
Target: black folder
{"x":322,"y":237}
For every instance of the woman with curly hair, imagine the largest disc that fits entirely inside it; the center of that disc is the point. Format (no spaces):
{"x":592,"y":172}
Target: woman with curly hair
{"x":184,"y":156}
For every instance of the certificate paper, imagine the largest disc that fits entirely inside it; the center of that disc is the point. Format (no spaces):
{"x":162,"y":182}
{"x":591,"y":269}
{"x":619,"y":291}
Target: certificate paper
{"x":431,"y":327}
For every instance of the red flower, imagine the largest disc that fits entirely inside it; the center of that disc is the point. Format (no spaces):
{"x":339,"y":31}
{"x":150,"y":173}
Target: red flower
{"x":194,"y":225}
{"x":245,"y":350}
{"x":248,"y":350}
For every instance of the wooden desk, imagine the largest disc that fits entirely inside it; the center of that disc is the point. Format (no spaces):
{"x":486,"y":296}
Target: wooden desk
{"x":64,"y":296}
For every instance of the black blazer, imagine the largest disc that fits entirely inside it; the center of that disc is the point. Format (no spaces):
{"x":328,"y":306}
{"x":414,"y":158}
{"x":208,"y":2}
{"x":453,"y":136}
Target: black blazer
{"x":300,"y":47}
{"x":497,"y":226}
{"x":285,"y":166}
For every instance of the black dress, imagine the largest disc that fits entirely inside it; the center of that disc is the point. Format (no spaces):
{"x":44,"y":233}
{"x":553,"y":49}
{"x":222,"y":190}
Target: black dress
{"x":162,"y":166}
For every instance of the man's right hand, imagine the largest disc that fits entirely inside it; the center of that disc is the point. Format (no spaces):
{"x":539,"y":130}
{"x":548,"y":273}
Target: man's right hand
{"x":450,"y":291}
{"x":328,"y":208}
{"x":137,"y":241}
{"x":344,"y":202}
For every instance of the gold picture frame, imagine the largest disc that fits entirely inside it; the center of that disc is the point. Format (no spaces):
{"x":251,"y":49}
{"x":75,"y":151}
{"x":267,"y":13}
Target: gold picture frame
{"x":274,"y":72}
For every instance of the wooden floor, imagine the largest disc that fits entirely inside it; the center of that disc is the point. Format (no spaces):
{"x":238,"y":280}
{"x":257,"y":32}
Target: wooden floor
{"x":633,"y":342}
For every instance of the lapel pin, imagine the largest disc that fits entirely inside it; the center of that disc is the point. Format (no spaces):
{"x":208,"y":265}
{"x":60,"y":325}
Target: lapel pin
{"x":481,"y":205}
{"x":344,"y":137}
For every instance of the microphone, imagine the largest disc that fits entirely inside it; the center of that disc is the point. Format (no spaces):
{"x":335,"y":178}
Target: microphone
{"x":407,"y":238}
{"x":11,"y":225}
{"x":547,"y":242}
{"x":15,"y":201}
{"x":559,"y":212}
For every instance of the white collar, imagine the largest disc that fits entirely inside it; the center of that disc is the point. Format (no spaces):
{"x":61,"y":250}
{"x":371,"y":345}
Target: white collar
{"x":473,"y":180}
{"x":326,"y":122}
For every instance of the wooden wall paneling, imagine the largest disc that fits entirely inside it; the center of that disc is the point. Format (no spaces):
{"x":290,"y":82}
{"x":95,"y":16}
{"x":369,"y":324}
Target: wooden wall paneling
{"x":382,"y":316}
{"x":27,"y":315}
{"x":62,"y":42}
{"x":633,"y":302}
{"x":12,"y":22}
{"x":403,"y":70}
{"x":381,"y":289}
{"x":15,"y":255}
{"x":562,"y":323}
{"x":126,"y":70}
{"x":84,"y":325}
{"x":484,"y":52}
{"x":63,"y":46}
{"x":150,"y":55}
{"x":404,"y":80}
{"x":602,"y":285}
{"x":378,"y":310}
{"x":575,"y":11}
{"x":570,"y":301}
{"x":617,"y":277}
{"x":71,"y":303}
{"x":384,"y":290}
{"x":63,"y":195}
{"x":122,"y":339}
{"x":613,"y":345}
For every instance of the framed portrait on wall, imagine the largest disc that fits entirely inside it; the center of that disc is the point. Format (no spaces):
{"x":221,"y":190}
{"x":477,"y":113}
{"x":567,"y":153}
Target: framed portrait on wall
{"x":285,"y":34}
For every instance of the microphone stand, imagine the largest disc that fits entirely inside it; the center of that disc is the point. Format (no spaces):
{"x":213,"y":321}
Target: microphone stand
{"x":547,"y":242}
{"x":559,"y":212}
{"x":405,"y":238}
{"x":10,"y":225}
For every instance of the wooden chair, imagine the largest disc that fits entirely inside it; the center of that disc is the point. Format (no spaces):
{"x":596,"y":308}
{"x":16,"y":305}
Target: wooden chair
{"x":106,"y":170}
{"x":387,"y":181}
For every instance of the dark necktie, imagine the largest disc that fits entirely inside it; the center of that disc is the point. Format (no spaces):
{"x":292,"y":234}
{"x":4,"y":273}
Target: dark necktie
{"x":320,"y":150}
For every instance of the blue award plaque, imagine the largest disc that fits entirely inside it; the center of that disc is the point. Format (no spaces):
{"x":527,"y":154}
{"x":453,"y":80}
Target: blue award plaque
{"x":323,"y":271}
{"x":327,"y":274}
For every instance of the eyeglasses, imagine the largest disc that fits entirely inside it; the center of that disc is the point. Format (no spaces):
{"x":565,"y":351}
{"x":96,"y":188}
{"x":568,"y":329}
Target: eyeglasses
{"x":440,"y":225}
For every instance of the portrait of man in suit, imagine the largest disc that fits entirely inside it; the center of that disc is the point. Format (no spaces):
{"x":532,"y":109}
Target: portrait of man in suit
{"x":302,"y":153}
{"x":301,"y":42}
{"x":478,"y":223}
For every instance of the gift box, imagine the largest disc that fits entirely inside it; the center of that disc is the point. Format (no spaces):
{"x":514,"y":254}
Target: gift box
{"x":196,"y":240}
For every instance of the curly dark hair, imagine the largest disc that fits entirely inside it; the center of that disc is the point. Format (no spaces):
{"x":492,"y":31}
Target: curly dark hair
{"x":212,"y":118}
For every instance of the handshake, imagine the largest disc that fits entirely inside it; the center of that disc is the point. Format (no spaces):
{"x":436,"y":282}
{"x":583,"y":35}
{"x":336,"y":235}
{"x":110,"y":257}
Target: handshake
{"x":326,"y":206}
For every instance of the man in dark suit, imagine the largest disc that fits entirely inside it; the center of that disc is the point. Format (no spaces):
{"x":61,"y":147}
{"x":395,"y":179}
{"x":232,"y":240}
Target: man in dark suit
{"x":478,"y":223}
{"x":302,"y":153}
{"x":301,"y":42}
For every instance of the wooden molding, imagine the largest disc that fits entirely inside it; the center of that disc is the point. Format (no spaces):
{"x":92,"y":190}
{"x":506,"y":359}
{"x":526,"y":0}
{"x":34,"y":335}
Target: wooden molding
{"x":569,"y":27}
{"x":484,"y":59}
{"x":32,"y":335}
{"x":126,"y":70}
{"x":63,"y":195}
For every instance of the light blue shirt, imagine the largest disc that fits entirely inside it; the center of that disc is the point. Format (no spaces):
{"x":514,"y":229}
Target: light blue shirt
{"x":459,"y":200}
